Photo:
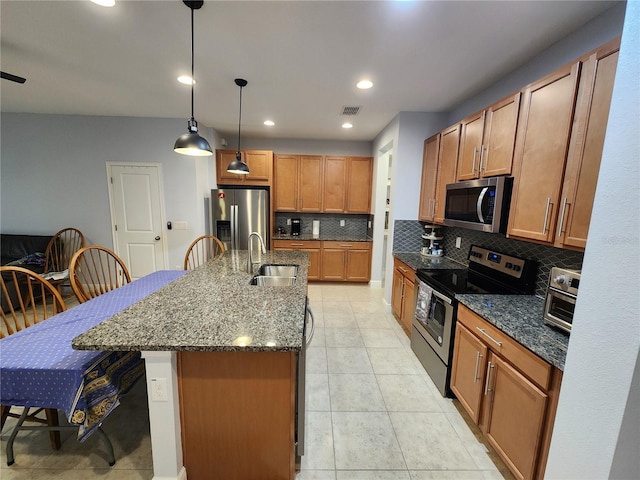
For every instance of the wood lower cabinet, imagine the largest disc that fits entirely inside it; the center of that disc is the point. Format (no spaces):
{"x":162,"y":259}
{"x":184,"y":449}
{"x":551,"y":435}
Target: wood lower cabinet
{"x":403,"y":294}
{"x":346,"y":261}
{"x":427,"y":206}
{"x":447,"y":161}
{"x":312,"y":247}
{"x":510,"y":392}
{"x":237,"y":412}
{"x":260,"y":163}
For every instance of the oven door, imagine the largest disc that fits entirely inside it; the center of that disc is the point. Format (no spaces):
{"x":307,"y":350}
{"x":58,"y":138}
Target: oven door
{"x":559,"y":308}
{"x":434,"y":320}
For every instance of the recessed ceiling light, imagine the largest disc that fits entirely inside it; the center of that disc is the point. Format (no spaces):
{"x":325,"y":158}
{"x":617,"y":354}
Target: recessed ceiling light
{"x":364,"y":84}
{"x":347,"y":125}
{"x":104,"y":3}
{"x":269,"y":123}
{"x":186,"y":79}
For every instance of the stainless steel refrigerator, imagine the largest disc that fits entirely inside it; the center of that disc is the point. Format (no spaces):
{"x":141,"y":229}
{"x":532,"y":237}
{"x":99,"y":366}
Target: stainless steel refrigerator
{"x":236,"y":212}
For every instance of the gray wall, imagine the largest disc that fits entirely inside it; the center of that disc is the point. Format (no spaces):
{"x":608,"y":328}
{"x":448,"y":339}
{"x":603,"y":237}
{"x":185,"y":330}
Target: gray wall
{"x":53,"y":174}
{"x":303,"y":147}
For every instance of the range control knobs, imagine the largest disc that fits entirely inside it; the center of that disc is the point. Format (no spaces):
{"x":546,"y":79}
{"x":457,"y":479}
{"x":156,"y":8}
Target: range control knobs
{"x":560,"y":279}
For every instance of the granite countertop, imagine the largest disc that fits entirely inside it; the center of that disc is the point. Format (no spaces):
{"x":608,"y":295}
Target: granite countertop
{"x":415,"y":260}
{"x":521,"y":317}
{"x":212,"y":308}
{"x":324,"y":237}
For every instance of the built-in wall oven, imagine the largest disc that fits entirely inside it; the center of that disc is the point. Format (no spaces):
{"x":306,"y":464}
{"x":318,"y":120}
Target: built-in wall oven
{"x":432,"y":333}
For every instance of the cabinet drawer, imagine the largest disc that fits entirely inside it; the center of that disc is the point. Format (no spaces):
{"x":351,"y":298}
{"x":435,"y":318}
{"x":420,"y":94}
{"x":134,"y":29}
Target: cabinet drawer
{"x":295,"y":244}
{"x":347,"y":245}
{"x":405,"y":269}
{"x":523,"y":359}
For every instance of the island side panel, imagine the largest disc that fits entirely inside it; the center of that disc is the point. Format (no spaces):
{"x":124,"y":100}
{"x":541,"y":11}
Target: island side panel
{"x":237,"y":411}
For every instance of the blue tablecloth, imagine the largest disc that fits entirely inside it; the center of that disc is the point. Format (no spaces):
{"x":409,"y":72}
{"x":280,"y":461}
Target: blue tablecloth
{"x":38,"y":367}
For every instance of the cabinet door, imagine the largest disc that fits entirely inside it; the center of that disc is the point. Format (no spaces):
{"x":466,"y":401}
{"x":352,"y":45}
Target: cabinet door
{"x":310,"y":184}
{"x":397,"y":293}
{"x":541,"y":151}
{"x":587,"y":141}
{"x":260,"y":165}
{"x":333,"y":264}
{"x":408,"y":304}
{"x":470,"y":145}
{"x":335,"y":183}
{"x":358,"y":192}
{"x":500,"y":124}
{"x":469,"y":365}
{"x":446,"y":167}
{"x":514,"y":416}
{"x":358,"y":267}
{"x":427,"y":208}
{"x":286,"y":183}
{"x":314,"y":272}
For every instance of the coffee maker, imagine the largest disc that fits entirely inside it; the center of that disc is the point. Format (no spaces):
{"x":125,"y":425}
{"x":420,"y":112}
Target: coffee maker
{"x":295,"y":226}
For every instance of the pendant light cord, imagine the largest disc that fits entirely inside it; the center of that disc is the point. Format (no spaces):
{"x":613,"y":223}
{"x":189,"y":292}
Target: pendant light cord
{"x":192,"y":77}
{"x":239,"y":120}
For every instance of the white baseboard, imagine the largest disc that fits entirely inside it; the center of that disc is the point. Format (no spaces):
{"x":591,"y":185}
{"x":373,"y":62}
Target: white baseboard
{"x":182,"y":475}
{"x":375,"y":283}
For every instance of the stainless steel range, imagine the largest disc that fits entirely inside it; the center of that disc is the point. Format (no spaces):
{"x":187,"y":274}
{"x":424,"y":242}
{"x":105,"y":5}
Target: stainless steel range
{"x":434,"y":323}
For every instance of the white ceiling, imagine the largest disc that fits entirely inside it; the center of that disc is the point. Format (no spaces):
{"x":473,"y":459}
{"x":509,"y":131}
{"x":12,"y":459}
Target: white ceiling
{"x":301,"y":58}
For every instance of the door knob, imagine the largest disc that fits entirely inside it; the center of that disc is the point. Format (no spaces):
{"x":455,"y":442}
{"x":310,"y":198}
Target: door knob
{"x":158,"y":237}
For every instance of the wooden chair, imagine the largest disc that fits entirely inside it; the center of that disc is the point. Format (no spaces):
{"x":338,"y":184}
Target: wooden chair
{"x":203,"y":249}
{"x":95,"y":270}
{"x":34,"y":300}
{"x":58,"y":255}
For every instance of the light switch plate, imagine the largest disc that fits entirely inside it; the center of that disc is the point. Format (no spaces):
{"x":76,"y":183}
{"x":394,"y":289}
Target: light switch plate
{"x":159,"y":390}
{"x":342,"y":223}
{"x":180,"y":225}
{"x":458,"y":242}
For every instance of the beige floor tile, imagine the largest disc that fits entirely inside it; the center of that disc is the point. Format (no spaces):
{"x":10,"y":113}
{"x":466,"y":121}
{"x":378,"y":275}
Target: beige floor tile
{"x":343,"y":337}
{"x":355,"y":393}
{"x":407,"y":393}
{"x":348,"y":360}
{"x":446,"y":475}
{"x":318,"y":442}
{"x":368,"y":306}
{"x":339,"y":320}
{"x":318,"y":339}
{"x":380,"y":338}
{"x":391,"y":360}
{"x":372,"y":320}
{"x":317,"y":392}
{"x":373,"y":475}
{"x":316,"y":360}
{"x":316,"y":475}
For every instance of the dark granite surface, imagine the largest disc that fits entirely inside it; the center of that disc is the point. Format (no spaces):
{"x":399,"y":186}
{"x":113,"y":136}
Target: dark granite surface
{"x":212,"y":308}
{"x":415,"y":260}
{"x":521,"y":317}
{"x":329,"y":237}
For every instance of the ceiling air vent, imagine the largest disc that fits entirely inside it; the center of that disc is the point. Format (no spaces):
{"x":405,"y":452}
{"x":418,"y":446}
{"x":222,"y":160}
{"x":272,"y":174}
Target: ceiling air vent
{"x":350,"y":110}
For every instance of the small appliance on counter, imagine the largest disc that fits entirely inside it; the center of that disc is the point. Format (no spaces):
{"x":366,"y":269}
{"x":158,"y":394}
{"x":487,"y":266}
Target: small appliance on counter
{"x":431,"y":246}
{"x":560,"y":303}
{"x":295,"y":226}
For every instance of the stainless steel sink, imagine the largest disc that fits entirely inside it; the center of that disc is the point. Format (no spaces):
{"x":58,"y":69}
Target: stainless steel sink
{"x":276,"y":270}
{"x":272,"y":281}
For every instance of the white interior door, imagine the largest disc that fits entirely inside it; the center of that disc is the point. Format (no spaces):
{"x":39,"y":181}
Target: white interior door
{"x":136,"y":196}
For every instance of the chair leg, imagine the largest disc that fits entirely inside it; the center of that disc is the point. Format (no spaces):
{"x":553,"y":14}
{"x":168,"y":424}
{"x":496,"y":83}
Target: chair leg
{"x":52,"y":421}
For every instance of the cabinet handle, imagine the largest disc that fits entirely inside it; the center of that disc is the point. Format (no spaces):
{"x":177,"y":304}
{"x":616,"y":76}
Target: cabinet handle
{"x":487,"y":381}
{"x":473,"y":165}
{"x":481,"y":330}
{"x":297,"y":244}
{"x":346,"y":245}
{"x":433,"y":207}
{"x":562,"y":212}
{"x":546,"y":215}
{"x":482,"y":157}
{"x":403,"y":270}
{"x":475,"y":375}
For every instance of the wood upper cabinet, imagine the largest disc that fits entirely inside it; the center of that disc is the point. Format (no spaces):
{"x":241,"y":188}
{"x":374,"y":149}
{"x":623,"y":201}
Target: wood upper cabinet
{"x":346,"y":261}
{"x":359,"y":184}
{"x":335,"y":184}
{"x":513,"y":416}
{"x":312,"y":247}
{"x":487,"y":140}
{"x":541,"y":150}
{"x":260,"y":163}
{"x":469,"y":365}
{"x":427,"y":207}
{"x":298,"y":183}
{"x":585,"y":150}
{"x":447,"y":160}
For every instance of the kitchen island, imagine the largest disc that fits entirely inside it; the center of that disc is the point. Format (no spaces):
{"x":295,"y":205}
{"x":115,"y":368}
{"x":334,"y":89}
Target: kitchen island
{"x":222,"y":359}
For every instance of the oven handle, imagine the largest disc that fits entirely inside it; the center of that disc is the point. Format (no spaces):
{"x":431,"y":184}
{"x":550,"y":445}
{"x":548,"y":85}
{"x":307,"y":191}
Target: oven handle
{"x":479,"y":204}
{"x":442,"y":297}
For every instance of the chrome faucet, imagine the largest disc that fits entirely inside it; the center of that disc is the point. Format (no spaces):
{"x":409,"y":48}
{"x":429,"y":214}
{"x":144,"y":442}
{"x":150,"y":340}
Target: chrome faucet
{"x":250,"y":261}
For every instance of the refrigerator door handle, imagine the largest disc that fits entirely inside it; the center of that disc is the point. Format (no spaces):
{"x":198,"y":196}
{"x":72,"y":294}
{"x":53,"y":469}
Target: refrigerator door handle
{"x":235,"y":227}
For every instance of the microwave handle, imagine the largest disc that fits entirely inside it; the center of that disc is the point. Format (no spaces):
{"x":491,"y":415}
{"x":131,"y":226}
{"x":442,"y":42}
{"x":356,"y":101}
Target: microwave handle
{"x":479,"y":204}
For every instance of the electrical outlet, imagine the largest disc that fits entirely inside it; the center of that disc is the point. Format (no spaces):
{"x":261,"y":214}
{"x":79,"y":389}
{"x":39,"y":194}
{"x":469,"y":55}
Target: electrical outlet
{"x":458,"y":242}
{"x":288,"y":221}
{"x":369,"y":223}
{"x":159,"y":390}
{"x":342,"y":223}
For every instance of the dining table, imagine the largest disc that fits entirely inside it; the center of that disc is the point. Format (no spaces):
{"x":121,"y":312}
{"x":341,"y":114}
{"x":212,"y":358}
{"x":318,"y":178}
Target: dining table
{"x":40,"y":369}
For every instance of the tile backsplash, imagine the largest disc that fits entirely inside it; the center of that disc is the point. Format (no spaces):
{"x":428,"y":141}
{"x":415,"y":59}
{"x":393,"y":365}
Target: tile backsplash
{"x":355,"y":225}
{"x":409,"y":232}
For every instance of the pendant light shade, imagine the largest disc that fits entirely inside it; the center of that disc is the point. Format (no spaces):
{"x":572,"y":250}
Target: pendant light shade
{"x":238,"y":166}
{"x":191,"y":143}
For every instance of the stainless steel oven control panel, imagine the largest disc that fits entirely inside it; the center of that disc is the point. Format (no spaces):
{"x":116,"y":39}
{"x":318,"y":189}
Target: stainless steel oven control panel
{"x":501,"y":262}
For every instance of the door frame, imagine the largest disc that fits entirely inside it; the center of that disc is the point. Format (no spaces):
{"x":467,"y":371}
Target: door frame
{"x":163,"y":217}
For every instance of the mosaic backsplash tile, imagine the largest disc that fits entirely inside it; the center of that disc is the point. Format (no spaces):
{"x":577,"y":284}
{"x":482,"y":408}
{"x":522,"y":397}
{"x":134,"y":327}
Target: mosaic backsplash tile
{"x":407,"y":238}
{"x":355,"y":225}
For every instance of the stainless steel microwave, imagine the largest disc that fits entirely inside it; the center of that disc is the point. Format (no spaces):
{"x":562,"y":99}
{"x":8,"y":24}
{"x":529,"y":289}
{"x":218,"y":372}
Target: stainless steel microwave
{"x":479,"y":204}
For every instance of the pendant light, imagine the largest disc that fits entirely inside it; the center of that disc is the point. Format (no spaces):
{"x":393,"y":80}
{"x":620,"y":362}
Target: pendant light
{"x":238,"y":166}
{"x":191,"y":143}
